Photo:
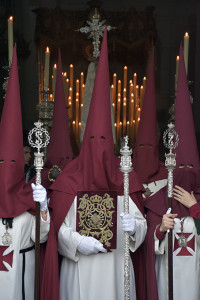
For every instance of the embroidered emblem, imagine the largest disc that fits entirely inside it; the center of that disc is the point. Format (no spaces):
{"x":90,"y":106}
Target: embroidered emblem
{"x":96,"y":216}
{"x":185,"y":243}
{"x":7,"y":258}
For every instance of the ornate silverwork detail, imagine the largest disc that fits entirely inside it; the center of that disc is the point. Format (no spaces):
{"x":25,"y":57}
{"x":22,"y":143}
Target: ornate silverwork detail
{"x":38,"y":138}
{"x":126,"y":168}
{"x":170,"y":139}
{"x":95,"y":30}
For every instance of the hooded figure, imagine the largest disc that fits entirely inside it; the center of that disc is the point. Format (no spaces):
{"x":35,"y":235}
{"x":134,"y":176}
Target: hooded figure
{"x":150,"y":170}
{"x":59,"y":152}
{"x":17,"y":208}
{"x":185,"y":207}
{"x":94,"y":175}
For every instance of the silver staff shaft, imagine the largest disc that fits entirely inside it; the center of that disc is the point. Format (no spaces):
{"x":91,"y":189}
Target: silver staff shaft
{"x":38,"y":138}
{"x":170,"y":139}
{"x":126,"y":167}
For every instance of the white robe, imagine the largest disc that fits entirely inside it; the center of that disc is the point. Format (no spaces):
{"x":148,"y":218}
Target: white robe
{"x":186,"y":268}
{"x":97,"y":276}
{"x":23,"y":236}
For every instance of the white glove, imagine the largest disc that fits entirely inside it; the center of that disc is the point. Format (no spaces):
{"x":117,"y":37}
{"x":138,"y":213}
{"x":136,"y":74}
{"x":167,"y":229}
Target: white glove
{"x":40,"y":195}
{"x":89,"y":245}
{"x":128,"y":223}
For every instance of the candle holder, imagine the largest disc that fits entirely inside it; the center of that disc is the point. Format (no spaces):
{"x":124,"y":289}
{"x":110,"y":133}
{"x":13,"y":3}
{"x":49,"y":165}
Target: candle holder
{"x":5,"y":84}
{"x":45,"y":109}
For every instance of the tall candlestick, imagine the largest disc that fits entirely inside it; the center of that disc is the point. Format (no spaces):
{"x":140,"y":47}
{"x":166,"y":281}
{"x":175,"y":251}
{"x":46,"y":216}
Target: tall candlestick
{"x":69,"y":108}
{"x":67,"y":88}
{"x":124,"y":116}
{"x":77,"y":114}
{"x":65,"y":84}
{"x":81,"y":85}
{"x":125,"y":77}
{"x":118,"y":108}
{"x":176,"y":76}
{"x":186,"y":50}
{"x":141,"y":95}
{"x":118,"y":114}
{"x":112,"y":92}
{"x":114,"y":111}
{"x":82,"y":92}
{"x":144,"y":84}
{"x":10,"y":40}
{"x":114,"y":88}
{"x":119,"y":87}
{"x":71,"y":74}
{"x":46,"y":69}
{"x":134,"y":82}
{"x":54,"y":76}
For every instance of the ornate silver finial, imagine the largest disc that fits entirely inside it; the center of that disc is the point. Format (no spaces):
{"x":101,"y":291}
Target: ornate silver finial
{"x":95,"y":30}
{"x":125,"y":151}
{"x":41,"y":139}
{"x":170,"y":140}
{"x":38,"y":138}
{"x":170,"y":137}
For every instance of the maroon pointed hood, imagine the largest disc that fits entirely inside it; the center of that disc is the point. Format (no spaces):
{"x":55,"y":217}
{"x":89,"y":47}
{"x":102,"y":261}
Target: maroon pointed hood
{"x":146,"y":154}
{"x":187,"y":156}
{"x":96,"y":167}
{"x":188,"y":176}
{"x":59,"y":151}
{"x":14,"y":200}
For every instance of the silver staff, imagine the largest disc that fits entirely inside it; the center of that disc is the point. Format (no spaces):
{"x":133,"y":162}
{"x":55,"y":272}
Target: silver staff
{"x":170,"y":140}
{"x":126,"y":168}
{"x":38,"y":138}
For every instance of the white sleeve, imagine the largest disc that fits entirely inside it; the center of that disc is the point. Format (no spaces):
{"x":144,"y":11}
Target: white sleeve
{"x":159,"y":246}
{"x":141,"y":227}
{"x":44,"y":228}
{"x":68,"y":241}
{"x":68,"y":238}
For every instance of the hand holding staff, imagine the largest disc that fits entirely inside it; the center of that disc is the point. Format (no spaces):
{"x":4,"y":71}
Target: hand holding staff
{"x":170,"y":139}
{"x":40,"y":140}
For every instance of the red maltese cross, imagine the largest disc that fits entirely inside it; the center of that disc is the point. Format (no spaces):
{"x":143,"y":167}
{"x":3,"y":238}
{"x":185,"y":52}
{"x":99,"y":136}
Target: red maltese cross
{"x":190,"y":244}
{"x":7,"y":258}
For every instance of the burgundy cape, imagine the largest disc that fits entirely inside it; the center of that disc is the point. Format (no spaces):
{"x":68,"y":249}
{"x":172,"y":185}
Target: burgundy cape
{"x":186,"y":177}
{"x":146,"y":163}
{"x":96,"y":167}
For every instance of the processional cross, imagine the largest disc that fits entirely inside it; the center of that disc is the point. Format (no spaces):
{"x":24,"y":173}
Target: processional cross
{"x":95,"y":30}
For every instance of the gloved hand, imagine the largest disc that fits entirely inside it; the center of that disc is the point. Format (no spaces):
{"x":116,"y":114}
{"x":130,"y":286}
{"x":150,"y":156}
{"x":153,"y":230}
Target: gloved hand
{"x":89,"y":245}
{"x":40,"y":195}
{"x":128,"y":223}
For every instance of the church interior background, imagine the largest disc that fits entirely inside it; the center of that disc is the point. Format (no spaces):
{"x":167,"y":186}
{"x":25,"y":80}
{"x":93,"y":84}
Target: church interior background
{"x":137,"y":29}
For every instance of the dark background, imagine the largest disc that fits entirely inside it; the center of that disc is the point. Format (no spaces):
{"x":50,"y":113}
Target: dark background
{"x":38,"y":23}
